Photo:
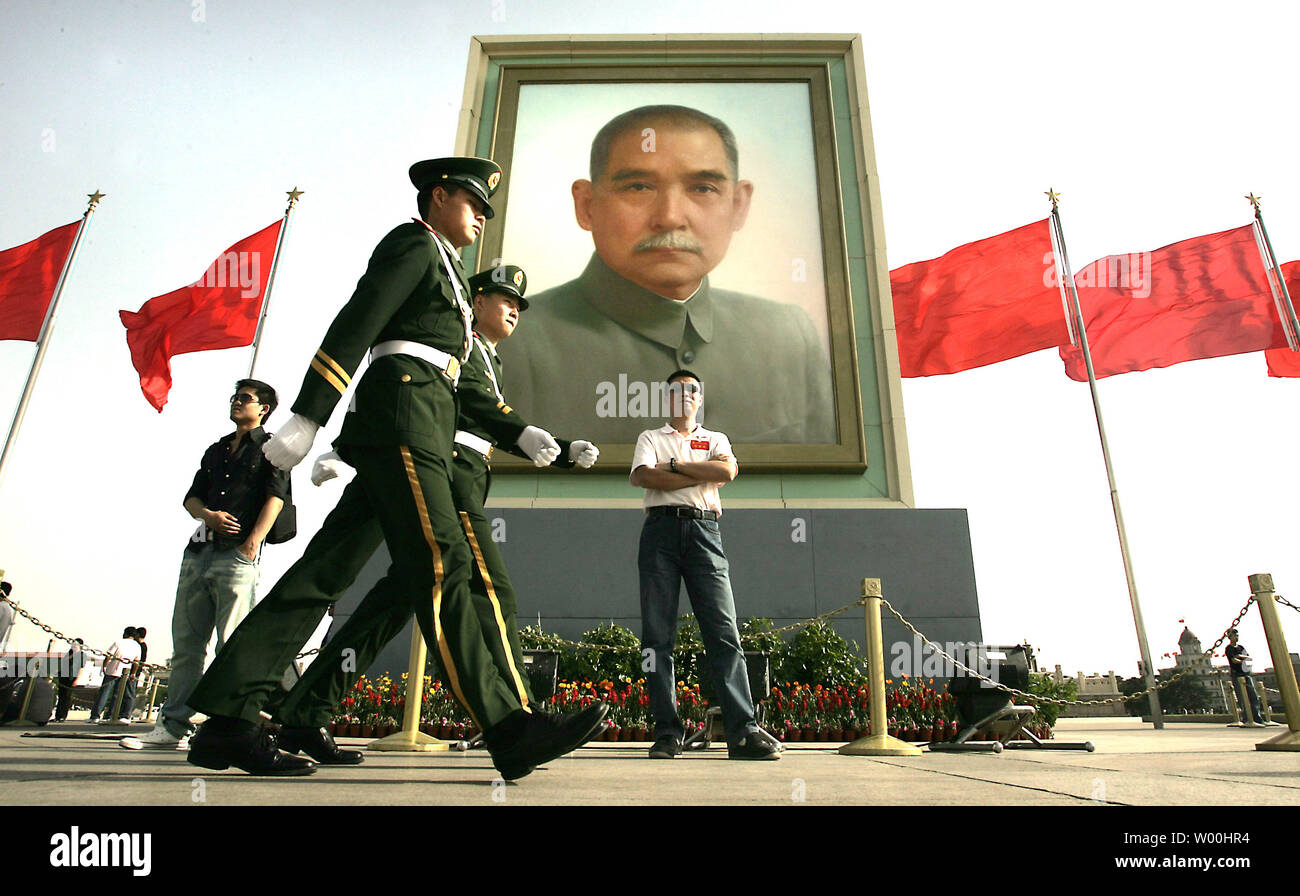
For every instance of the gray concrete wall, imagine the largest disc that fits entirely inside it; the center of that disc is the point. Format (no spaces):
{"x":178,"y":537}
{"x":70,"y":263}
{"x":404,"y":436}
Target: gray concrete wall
{"x":576,"y":568}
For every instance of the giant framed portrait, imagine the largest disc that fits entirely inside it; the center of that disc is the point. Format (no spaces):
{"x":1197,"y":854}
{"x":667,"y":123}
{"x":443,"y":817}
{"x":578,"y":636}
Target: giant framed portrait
{"x":681,"y":206}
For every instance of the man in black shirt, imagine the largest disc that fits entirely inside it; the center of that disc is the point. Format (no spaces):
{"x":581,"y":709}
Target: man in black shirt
{"x":236,"y":495}
{"x":1239,"y":665}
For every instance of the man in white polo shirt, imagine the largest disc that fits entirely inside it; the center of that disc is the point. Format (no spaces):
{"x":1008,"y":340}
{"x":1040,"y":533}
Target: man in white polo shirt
{"x":681,"y":465}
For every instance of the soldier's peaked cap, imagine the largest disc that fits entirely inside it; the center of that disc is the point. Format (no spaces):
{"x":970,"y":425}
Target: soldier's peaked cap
{"x":505,"y":278}
{"x":480,"y":176}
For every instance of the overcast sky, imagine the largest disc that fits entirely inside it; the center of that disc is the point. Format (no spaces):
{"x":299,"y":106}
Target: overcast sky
{"x":1152,"y":121}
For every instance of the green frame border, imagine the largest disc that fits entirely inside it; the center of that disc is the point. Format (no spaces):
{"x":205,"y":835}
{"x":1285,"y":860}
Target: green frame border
{"x":886,"y":481}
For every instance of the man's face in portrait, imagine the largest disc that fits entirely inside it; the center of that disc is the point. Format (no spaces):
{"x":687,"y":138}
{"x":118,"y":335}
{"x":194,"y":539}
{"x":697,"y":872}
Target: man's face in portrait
{"x":663,"y":211}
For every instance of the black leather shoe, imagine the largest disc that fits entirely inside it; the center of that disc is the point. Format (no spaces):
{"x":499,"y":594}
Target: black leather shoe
{"x":586,"y":723}
{"x":666,"y":747}
{"x":316,"y":743}
{"x":755,"y":745}
{"x":251,"y":749}
{"x":524,"y":740}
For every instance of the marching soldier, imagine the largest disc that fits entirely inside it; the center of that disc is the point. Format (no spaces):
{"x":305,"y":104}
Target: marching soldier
{"x":411,"y":310}
{"x":485,"y":422}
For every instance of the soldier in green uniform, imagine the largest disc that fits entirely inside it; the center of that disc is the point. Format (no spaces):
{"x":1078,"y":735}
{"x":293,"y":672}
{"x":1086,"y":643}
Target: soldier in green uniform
{"x":485,"y":422}
{"x":411,"y":310}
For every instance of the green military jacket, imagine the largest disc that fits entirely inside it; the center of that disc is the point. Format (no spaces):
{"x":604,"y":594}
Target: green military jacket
{"x":406,"y":293}
{"x":483,"y":411}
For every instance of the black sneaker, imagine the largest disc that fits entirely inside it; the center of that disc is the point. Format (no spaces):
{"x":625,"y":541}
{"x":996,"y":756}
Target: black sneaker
{"x":755,"y":745}
{"x":316,"y":743}
{"x":245,"y":746}
{"x":666,"y":747}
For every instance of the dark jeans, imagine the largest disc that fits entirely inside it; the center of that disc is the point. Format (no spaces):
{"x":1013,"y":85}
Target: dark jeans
{"x":107,"y":696}
{"x":674,"y":550}
{"x":1255,"y":705}
{"x":65,"y":699}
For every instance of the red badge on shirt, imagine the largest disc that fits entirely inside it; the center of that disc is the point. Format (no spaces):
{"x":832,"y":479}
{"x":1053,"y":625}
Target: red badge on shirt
{"x":700,"y":444}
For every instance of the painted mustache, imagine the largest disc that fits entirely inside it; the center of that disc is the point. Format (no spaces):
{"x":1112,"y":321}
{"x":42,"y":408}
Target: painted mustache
{"x":670,"y":240}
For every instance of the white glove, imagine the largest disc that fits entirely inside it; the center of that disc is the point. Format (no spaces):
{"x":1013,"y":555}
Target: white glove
{"x":327,"y":467}
{"x":539,"y":445}
{"x":291,"y":443}
{"x":583,"y":453}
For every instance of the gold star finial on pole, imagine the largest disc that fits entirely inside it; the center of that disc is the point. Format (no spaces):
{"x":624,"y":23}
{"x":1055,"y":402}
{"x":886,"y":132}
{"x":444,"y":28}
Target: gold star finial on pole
{"x":1254,"y":201}
{"x":1053,"y":196}
{"x":94,"y":198}
{"x":293,"y":196}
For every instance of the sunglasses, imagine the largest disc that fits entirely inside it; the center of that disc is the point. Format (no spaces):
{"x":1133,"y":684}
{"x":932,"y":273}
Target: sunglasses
{"x":244,"y":398}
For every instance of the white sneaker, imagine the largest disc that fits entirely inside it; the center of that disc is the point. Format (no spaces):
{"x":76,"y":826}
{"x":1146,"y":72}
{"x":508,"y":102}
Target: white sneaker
{"x":157,"y":739}
{"x":124,"y":721}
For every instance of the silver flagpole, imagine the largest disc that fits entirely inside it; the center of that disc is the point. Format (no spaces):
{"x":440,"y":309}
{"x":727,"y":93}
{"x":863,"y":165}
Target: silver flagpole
{"x":1067,"y":282}
{"x":1270,"y":261}
{"x":270,"y":280}
{"x":47,"y":327}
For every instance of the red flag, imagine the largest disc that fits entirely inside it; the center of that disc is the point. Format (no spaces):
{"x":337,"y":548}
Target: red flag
{"x":219,"y":310}
{"x":1201,"y":298}
{"x":981,"y":303}
{"x":28,"y":275}
{"x":1283,"y":361}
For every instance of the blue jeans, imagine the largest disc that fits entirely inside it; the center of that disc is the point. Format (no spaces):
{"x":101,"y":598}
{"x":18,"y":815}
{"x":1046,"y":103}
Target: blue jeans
{"x":214,"y":594}
{"x":1255,"y":704}
{"x":674,"y":550}
{"x":107,"y":696}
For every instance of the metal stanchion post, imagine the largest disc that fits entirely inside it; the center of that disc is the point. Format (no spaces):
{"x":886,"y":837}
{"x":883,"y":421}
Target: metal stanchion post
{"x":1231,"y":694}
{"x":1263,"y":702}
{"x":1247,"y":711}
{"x":32,"y":673}
{"x":1261,"y":585}
{"x":878,"y":742}
{"x":153,"y":696}
{"x":411,"y":739}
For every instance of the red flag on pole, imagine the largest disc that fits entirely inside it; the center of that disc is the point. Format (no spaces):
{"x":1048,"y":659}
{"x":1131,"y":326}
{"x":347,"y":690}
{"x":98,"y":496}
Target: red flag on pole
{"x":219,"y":310}
{"x":981,"y":303}
{"x":1283,"y":361}
{"x":1200,"y":298}
{"x":28,"y":275}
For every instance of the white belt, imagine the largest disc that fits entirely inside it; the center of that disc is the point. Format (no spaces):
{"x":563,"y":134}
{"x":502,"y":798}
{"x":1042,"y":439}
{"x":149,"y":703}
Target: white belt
{"x":469,"y":440}
{"x":448,"y":365}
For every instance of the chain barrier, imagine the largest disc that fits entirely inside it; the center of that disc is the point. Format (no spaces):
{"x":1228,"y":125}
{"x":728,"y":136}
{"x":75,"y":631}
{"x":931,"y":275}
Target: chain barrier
{"x":1286,"y":603}
{"x":60,"y":636}
{"x":744,"y":639}
{"x":1037,"y":699}
{"x":581,"y":645}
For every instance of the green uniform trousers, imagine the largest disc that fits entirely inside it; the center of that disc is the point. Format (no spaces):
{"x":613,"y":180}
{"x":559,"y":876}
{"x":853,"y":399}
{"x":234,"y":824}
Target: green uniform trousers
{"x":401,"y":495}
{"x":379,"y":618}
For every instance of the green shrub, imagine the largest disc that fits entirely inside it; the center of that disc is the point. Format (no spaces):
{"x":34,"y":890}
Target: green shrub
{"x":1045,"y":686}
{"x":621,"y":665}
{"x":817,"y":654}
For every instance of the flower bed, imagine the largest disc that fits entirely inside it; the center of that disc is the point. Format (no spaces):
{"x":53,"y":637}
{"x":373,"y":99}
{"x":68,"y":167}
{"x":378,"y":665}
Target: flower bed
{"x":793,"y":711}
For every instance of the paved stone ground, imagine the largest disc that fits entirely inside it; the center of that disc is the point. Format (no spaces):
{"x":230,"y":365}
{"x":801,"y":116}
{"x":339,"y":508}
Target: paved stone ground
{"x":1133,"y":764}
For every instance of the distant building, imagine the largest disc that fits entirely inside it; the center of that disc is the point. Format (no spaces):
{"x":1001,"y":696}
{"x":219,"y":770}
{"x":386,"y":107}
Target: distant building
{"x":1093,"y":687}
